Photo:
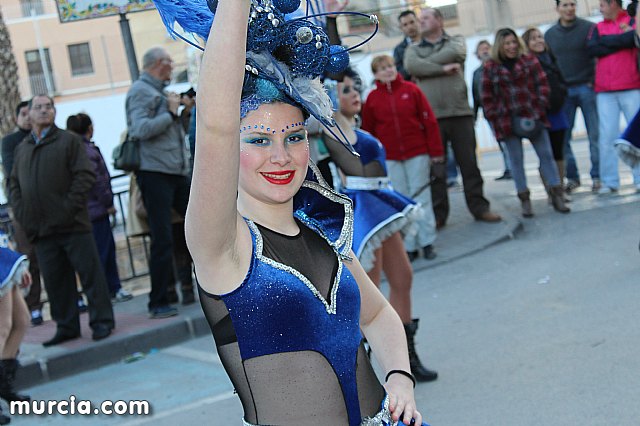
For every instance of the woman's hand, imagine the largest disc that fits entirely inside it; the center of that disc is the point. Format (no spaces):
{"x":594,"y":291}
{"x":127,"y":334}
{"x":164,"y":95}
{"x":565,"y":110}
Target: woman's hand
{"x":401,"y":400}
{"x":26,"y":280}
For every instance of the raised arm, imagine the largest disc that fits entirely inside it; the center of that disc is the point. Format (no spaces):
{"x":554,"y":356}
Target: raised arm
{"x":212,"y":220}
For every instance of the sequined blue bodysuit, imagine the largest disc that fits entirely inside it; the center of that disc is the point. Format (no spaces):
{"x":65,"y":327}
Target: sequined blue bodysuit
{"x":293,"y":349}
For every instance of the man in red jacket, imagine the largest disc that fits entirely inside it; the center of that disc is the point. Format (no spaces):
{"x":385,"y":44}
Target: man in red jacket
{"x":398,"y":113}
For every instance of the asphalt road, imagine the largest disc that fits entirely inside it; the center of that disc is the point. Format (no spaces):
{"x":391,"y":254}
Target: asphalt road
{"x":542,"y":329}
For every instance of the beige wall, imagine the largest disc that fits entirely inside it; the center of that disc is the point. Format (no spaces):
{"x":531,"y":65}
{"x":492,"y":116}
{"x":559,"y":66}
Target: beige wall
{"x":110,"y":67}
{"x":474,"y":17}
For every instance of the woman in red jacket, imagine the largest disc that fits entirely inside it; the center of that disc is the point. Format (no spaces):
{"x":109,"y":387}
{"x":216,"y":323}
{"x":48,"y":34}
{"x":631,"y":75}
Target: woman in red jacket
{"x":515,"y":98}
{"x":399,"y":115}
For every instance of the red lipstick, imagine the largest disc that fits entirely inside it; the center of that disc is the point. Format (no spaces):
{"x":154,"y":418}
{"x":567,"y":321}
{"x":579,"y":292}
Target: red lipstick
{"x":282,"y":177}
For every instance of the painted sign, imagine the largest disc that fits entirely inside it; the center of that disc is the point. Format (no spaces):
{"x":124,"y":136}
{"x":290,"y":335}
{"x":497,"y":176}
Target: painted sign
{"x":76,"y":10}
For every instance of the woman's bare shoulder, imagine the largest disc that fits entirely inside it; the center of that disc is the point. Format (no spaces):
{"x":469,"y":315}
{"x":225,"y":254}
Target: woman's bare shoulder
{"x":224,"y":271}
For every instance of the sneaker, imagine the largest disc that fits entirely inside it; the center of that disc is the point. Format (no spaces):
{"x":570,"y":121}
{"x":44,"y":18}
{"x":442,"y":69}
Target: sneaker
{"x":36,"y":317}
{"x":596,"y":185}
{"x":605,"y":190}
{"x":163,"y":312}
{"x":413,"y":255}
{"x":82,"y":307}
{"x":571,"y":185}
{"x":428,"y":252}
{"x":121,"y":295}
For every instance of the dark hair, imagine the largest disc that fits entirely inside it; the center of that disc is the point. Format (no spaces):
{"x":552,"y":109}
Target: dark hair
{"x":40,"y":95}
{"x":20,"y":106}
{"x":353,"y":75}
{"x":79,"y":123}
{"x":406,"y":13}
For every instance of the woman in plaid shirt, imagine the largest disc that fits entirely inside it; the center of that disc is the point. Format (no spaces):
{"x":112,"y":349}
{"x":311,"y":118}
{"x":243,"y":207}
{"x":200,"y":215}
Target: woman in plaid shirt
{"x":514,"y":85}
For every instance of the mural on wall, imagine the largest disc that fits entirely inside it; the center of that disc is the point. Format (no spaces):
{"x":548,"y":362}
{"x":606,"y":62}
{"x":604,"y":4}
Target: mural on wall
{"x":75,"y":10}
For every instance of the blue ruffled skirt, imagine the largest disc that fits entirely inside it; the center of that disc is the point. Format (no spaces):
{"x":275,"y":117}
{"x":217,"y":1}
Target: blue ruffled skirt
{"x":12,"y":266}
{"x":378,"y":214}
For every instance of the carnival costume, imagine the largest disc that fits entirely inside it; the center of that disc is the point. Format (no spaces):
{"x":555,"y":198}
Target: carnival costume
{"x":289,"y":336}
{"x":12,"y":267}
{"x":379,"y":210}
{"x":628,"y":144}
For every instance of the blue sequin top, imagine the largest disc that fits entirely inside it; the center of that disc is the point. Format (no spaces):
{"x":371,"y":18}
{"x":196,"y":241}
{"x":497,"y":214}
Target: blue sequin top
{"x":294,"y":353}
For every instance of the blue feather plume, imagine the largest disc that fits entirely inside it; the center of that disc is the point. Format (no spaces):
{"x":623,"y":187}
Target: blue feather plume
{"x":194,"y":16}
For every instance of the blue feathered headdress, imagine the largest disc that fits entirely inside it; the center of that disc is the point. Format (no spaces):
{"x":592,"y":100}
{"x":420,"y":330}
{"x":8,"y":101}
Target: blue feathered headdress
{"x":286,"y":46}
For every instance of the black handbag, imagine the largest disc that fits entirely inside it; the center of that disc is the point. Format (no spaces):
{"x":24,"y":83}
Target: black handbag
{"x":525,"y":127}
{"x":126,"y":156}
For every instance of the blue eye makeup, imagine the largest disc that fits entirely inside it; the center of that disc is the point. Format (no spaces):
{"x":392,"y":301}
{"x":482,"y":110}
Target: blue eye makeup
{"x":296,"y":138}
{"x":258,"y":141}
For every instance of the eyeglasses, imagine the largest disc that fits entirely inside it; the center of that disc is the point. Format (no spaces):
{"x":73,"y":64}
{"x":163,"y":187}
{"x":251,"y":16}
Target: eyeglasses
{"x":42,"y":106}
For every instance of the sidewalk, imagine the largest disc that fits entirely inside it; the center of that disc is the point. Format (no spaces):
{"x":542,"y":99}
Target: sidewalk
{"x":135,"y":332}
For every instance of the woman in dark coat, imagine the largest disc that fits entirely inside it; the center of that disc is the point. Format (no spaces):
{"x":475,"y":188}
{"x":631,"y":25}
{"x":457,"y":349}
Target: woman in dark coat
{"x":100,"y":203}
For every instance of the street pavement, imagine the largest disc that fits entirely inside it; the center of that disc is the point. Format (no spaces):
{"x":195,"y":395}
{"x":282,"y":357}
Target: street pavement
{"x":537,"y":329}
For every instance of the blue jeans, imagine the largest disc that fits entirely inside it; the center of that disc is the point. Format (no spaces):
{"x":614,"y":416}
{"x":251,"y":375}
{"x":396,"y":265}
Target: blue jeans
{"x":610,"y":105}
{"x":542,"y":146}
{"x":584,"y":97}
{"x":452,"y":165}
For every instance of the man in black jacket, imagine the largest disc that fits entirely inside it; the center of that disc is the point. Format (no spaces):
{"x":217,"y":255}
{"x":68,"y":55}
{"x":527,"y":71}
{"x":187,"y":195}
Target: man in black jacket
{"x":48,"y":188}
{"x":411,"y":29}
{"x":9,"y":144}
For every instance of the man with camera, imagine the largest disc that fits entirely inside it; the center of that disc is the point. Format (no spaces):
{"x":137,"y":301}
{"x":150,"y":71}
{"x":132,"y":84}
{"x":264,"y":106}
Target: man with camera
{"x":152,"y":118}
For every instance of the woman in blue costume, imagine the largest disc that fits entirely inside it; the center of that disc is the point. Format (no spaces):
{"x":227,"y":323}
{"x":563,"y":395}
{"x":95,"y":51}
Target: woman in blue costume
{"x":381,"y":214}
{"x":14,"y":319}
{"x":284,"y":295}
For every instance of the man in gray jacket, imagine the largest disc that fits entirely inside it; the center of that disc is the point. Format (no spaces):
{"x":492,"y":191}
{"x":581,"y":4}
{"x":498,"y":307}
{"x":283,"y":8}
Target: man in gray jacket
{"x":437,"y":63}
{"x":152,"y":118}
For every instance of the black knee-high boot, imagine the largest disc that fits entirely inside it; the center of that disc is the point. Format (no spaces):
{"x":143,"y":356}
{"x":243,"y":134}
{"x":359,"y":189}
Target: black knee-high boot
{"x":4,"y":420}
{"x":8,"y":368}
{"x":421,"y":373}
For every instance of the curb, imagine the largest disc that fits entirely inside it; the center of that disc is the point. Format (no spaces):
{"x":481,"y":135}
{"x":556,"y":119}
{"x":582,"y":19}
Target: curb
{"x":110,"y":351}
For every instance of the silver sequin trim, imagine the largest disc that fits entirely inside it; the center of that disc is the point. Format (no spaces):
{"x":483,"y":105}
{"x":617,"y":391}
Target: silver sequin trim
{"x":383,"y":417}
{"x":331,"y":308}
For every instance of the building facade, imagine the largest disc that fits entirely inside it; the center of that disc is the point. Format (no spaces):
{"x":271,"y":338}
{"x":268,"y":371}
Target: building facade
{"x":83,"y":58}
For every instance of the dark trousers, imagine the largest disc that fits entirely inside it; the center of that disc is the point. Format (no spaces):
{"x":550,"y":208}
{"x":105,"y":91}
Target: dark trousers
{"x":161,"y":193}
{"x":460,"y":133}
{"x":107,"y":252}
{"x":557,"y":143}
{"x":24,"y":246}
{"x":61,"y":256}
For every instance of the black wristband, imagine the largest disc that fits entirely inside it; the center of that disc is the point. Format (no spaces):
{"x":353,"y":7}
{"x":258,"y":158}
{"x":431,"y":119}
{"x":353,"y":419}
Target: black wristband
{"x":174,"y":116}
{"x":404,"y":373}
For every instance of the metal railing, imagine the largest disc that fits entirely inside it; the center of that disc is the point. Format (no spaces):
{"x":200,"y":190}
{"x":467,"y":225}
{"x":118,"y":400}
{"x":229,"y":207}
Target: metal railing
{"x":136,"y":262}
{"x":137,"y":247}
